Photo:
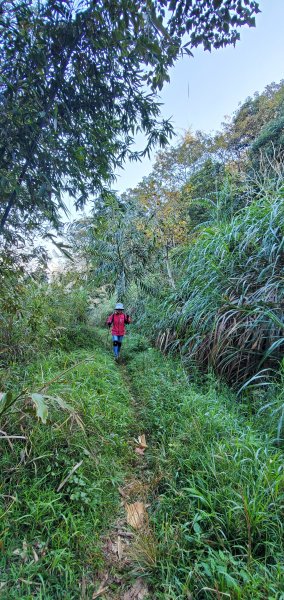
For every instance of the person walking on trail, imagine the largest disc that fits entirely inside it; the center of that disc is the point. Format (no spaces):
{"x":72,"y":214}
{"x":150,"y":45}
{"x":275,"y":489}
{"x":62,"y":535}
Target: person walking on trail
{"x":117,"y":321}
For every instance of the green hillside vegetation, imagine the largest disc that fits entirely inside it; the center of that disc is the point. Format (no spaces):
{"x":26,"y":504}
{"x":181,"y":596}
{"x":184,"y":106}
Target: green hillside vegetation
{"x":50,"y":529}
{"x":196,"y":253}
{"x":158,"y":476}
{"x":197,"y":247}
{"x":216,"y":513}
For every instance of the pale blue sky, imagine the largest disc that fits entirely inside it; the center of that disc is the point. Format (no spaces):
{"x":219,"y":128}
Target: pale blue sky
{"x":207,"y":87}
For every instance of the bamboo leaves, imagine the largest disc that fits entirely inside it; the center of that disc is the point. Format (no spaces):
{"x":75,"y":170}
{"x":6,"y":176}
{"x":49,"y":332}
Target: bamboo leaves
{"x":40,"y":403}
{"x":73,"y":93}
{"x":40,"y":407}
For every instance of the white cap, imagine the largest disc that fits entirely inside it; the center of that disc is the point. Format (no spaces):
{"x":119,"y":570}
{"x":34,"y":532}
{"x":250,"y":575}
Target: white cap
{"x":119,"y":306}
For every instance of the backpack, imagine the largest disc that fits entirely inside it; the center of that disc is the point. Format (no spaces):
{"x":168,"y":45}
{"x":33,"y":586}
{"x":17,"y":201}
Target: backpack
{"x":126,"y":319}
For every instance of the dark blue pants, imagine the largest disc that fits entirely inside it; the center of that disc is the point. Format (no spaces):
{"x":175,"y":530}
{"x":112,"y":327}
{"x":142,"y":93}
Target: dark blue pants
{"x":117,"y":341}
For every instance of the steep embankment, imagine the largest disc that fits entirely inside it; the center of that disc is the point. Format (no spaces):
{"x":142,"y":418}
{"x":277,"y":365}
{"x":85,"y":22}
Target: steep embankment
{"x":213,"y":485}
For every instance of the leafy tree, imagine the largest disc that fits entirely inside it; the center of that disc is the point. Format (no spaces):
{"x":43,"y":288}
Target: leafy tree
{"x":174,"y":166}
{"x":269,"y":145}
{"x":249,"y":122}
{"x":79,"y":79}
{"x":115,"y":245}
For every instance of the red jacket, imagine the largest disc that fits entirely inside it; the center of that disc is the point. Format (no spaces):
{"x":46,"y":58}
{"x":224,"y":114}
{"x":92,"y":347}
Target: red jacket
{"x":118,"y":322}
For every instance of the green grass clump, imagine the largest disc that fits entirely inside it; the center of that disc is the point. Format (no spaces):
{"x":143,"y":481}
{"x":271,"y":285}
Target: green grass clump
{"x":50,"y":539}
{"x":217,"y":511}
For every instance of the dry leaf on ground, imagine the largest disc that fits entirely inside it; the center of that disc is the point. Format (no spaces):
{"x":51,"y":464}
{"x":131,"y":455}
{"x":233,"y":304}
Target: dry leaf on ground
{"x":22,"y":553}
{"x":138,"y":591}
{"x":142,"y":445}
{"x":140,"y":451}
{"x":122,"y":492}
{"x":36,"y":558}
{"x":142,"y":441}
{"x":119,"y":547}
{"x":136,"y":514}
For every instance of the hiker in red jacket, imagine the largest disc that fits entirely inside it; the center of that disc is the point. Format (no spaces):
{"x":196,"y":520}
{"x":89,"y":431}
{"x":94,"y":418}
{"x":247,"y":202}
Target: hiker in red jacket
{"x":118,"y":320}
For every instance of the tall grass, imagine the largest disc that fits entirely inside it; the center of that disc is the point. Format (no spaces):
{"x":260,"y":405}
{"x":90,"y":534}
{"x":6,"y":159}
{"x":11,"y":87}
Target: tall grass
{"x":59,"y":483}
{"x":216,"y":512}
{"x":36,"y":316}
{"x":228,"y":309}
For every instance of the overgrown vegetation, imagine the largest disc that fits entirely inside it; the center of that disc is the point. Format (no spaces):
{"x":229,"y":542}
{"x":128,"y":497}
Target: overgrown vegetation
{"x":196,"y":252}
{"x":37,"y":315}
{"x":214,"y":475}
{"x":197,"y":248}
{"x":216,"y":512}
{"x":59,"y":482}
{"x":228,"y":308}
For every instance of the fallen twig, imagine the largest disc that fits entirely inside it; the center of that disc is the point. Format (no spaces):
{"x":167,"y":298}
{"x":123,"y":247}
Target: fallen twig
{"x":69,"y":475}
{"x":12,"y":437}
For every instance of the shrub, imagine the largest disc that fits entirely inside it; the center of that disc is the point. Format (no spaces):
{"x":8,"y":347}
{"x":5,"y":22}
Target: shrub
{"x":37,"y":315}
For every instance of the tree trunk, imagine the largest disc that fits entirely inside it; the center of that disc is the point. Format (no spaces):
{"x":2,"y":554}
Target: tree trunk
{"x":169,"y":271}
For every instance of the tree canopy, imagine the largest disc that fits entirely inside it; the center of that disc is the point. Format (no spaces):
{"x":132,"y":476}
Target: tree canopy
{"x":79,"y":79}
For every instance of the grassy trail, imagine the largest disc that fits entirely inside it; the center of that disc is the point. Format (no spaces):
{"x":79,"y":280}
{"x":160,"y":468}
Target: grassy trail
{"x":53,"y":517}
{"x":212,"y":484}
{"x":213,"y":480}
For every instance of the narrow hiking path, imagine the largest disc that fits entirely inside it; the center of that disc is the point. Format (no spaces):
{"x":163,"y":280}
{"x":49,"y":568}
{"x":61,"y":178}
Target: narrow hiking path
{"x":89,"y":512}
{"x":212,"y":481}
{"x":130,"y":536}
